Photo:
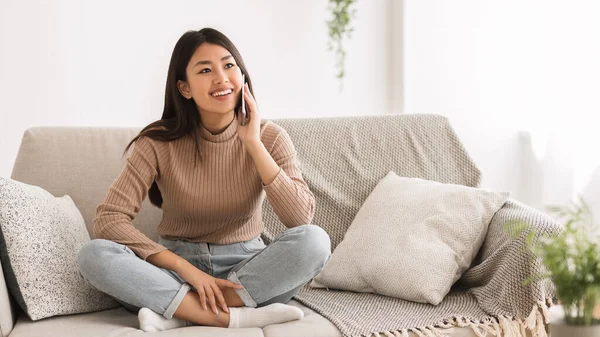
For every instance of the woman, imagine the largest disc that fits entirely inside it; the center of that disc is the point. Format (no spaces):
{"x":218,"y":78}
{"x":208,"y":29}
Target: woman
{"x":207,"y":172}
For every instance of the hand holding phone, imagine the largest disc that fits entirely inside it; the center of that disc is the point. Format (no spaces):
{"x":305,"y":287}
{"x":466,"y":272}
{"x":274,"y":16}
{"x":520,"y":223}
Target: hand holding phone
{"x":243,"y":108}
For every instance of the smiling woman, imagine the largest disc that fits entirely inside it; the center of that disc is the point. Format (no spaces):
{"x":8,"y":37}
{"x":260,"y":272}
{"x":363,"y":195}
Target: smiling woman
{"x":203,"y":269}
{"x":215,"y":65}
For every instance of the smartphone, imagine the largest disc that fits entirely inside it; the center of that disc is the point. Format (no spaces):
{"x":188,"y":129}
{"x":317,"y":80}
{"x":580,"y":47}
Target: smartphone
{"x":243,"y":108}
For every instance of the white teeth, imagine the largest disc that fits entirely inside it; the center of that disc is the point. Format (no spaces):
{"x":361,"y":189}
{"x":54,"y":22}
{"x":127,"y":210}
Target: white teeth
{"x":221,"y":93}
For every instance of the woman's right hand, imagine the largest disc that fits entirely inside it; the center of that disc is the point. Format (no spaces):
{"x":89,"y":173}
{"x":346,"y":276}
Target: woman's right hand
{"x":208,"y":287}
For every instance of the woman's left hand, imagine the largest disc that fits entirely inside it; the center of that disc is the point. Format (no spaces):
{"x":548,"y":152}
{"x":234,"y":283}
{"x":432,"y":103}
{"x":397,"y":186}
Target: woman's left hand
{"x":251,"y":131}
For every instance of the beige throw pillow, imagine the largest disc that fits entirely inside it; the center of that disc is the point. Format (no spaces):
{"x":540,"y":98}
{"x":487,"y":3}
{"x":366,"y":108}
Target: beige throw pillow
{"x":411,"y":239}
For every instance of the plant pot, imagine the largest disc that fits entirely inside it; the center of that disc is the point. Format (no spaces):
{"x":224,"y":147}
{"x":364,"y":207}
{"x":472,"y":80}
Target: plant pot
{"x":558,"y":327}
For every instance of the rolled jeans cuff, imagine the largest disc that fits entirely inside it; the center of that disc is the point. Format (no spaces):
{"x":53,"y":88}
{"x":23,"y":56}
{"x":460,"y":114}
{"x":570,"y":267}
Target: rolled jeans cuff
{"x":176,"y":301}
{"x":242,"y":293}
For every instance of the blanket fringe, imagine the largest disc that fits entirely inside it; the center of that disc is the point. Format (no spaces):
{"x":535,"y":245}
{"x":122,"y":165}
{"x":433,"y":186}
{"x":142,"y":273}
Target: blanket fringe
{"x":531,"y":321}
{"x":427,"y":332}
{"x":510,"y":327}
{"x":503,"y":326}
{"x":506,"y":326}
{"x":520,"y":328}
{"x":445,"y":325}
{"x":497,"y":329}
{"x":541,"y":327}
{"x":418,"y":332}
{"x":489,"y":328}
{"x":439,"y":333}
{"x":545,"y":311}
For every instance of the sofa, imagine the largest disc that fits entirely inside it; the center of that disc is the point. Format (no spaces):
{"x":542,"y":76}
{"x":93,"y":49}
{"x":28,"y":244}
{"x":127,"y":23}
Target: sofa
{"x":337,"y":155}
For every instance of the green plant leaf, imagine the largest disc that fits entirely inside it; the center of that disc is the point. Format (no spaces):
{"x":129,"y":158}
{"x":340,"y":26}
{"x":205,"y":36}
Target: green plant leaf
{"x":338,"y":26}
{"x":571,"y":258}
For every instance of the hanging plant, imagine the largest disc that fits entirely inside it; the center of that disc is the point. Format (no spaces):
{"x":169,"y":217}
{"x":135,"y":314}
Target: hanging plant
{"x":339,"y":27}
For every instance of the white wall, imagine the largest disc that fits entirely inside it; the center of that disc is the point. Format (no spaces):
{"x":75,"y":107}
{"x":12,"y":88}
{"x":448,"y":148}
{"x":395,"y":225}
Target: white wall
{"x":499,"y":67}
{"x":444,"y":74}
{"x":104,"y":63}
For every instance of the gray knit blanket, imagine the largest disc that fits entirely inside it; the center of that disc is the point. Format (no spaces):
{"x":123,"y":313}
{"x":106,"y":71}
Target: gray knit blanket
{"x":342,"y":159}
{"x":489,"y":297}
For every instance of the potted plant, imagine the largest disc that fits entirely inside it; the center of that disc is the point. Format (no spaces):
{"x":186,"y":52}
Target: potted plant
{"x":339,"y":27}
{"x":572,"y":260}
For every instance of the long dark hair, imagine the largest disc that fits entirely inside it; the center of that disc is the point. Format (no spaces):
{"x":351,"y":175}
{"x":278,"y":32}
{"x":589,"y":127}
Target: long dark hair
{"x":180,"y":116}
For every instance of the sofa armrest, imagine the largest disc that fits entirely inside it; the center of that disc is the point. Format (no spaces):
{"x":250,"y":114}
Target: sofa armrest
{"x":504,"y":262}
{"x":7,"y":308}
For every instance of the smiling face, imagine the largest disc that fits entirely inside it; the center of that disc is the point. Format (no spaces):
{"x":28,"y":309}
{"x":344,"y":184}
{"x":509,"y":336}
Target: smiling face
{"x":214,"y":80}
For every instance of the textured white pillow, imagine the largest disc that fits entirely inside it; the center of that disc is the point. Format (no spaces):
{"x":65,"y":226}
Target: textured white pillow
{"x":40,"y":238}
{"x":411,"y":239}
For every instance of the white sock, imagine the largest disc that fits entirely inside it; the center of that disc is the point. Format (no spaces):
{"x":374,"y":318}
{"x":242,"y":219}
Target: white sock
{"x":260,"y":317}
{"x":152,"y":322}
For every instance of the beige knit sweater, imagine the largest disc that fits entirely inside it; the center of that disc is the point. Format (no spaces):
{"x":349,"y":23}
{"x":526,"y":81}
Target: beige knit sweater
{"x":218,"y":201}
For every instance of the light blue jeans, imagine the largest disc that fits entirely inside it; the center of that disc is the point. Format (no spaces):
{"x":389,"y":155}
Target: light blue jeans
{"x":269,"y":274}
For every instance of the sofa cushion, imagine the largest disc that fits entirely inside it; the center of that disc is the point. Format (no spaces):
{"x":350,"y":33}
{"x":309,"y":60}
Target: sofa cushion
{"x":411,"y":239}
{"x":40,"y":238}
{"x":120,"y":322}
{"x":115,"y":322}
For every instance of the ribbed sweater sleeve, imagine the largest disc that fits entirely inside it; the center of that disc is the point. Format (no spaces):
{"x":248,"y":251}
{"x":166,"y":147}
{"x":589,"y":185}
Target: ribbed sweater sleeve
{"x":292,"y":200}
{"x":123,"y":201}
